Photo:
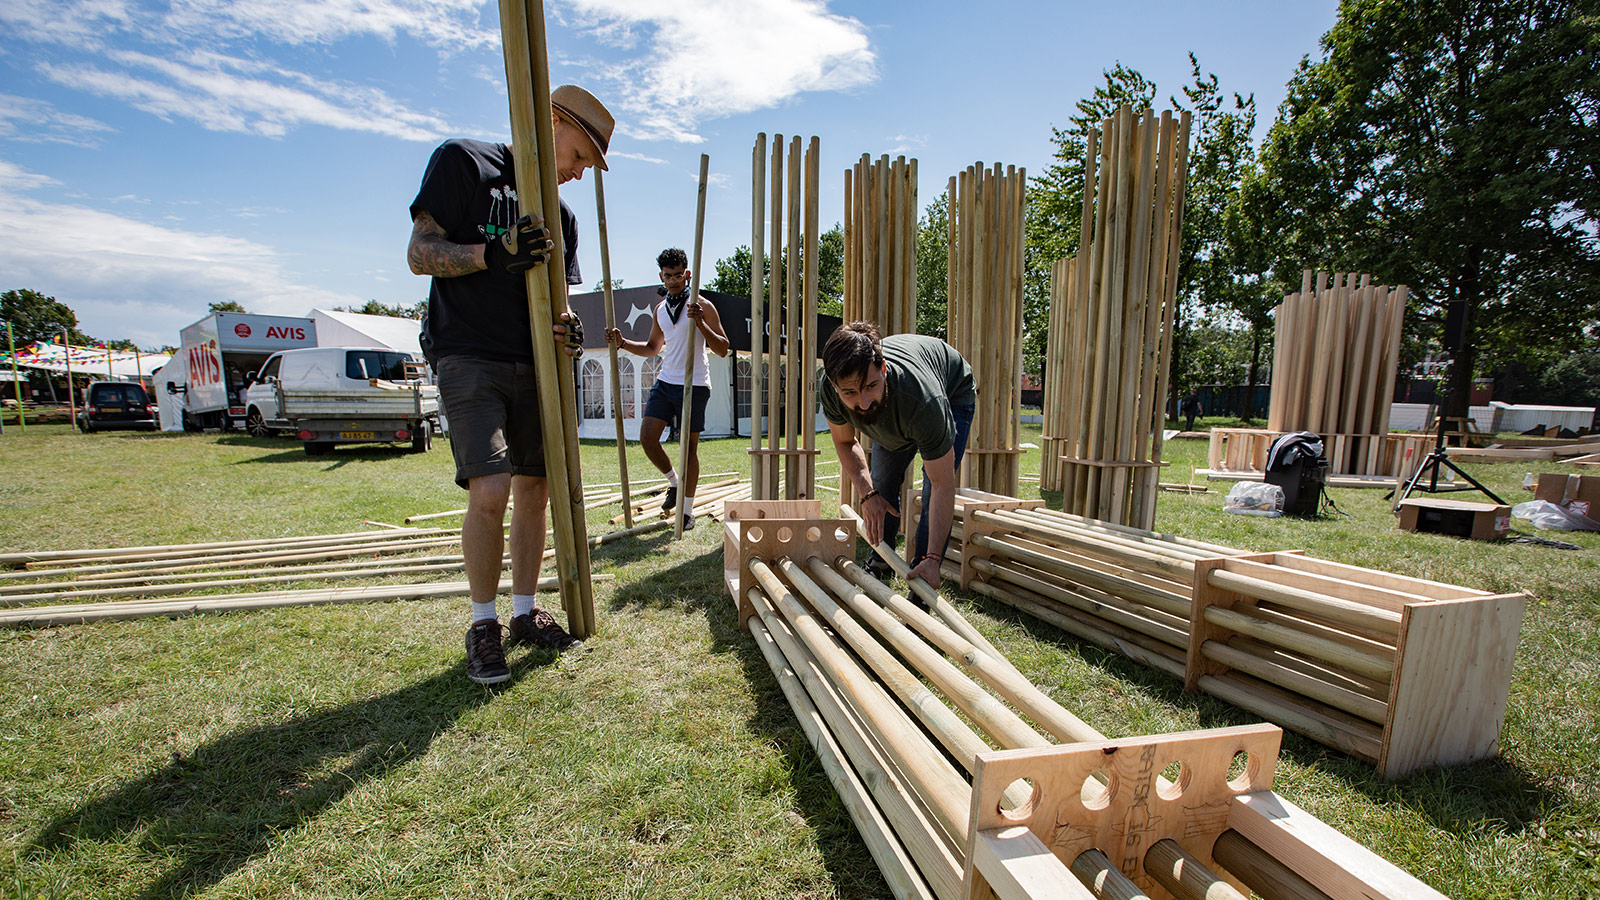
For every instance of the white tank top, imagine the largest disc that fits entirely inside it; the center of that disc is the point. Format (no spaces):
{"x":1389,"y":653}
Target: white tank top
{"x":677,"y":345}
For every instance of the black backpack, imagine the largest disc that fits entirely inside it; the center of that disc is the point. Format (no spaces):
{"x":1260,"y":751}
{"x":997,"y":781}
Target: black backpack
{"x":1295,"y":463}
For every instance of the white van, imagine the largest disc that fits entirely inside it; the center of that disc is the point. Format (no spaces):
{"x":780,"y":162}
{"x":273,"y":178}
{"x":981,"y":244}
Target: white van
{"x":343,"y":395}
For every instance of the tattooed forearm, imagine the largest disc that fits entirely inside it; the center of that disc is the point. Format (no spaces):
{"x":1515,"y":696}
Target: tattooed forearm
{"x":431,"y":253}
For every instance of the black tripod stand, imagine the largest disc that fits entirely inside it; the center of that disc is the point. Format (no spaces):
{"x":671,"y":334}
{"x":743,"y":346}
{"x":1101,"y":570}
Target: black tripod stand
{"x":1430,"y":465}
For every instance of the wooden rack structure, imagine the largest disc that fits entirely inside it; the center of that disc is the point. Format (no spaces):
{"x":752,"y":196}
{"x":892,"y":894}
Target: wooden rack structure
{"x":783,"y":329}
{"x":522,"y":34}
{"x":880,"y":260}
{"x":885,"y":692}
{"x":1401,"y":672}
{"x":1111,"y":314}
{"x":984,"y":315}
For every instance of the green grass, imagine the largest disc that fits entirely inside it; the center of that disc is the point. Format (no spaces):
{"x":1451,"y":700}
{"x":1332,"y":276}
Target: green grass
{"x":340,"y":752}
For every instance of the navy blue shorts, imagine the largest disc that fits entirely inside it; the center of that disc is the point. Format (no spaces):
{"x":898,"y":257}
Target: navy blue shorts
{"x":666,"y":403}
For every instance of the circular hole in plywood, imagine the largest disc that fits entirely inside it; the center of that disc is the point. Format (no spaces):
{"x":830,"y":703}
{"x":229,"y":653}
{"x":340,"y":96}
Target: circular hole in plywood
{"x":754,"y":534}
{"x":1097,"y":790}
{"x":841,"y":534}
{"x":1020,"y":799}
{"x":785,"y":534}
{"x":1242,"y":771}
{"x":1176,"y":774}
{"x":813,"y":535}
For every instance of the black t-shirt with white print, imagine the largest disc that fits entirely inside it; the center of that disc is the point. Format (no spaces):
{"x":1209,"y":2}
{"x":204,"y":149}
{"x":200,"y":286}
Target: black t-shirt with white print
{"x":470,"y":190}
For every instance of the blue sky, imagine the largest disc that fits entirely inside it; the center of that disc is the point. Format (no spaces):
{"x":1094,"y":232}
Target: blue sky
{"x":158,"y":156}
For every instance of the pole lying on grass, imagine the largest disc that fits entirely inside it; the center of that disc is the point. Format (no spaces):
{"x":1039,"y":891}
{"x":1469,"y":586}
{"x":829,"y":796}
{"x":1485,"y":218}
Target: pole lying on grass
{"x":611,"y":322}
{"x":685,"y":417}
{"x":528,"y":83}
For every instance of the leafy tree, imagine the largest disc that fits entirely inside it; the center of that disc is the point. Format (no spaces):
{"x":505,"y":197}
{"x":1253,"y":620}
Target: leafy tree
{"x":616,"y":285}
{"x":731,"y":274}
{"x":37,"y":317}
{"x":397,"y":310}
{"x":1449,"y":145}
{"x":933,"y":267}
{"x":230,"y":306}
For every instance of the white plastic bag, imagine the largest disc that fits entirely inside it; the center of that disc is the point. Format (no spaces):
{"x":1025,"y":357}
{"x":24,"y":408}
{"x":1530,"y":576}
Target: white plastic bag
{"x":1545,"y":514}
{"x":1252,"y":498}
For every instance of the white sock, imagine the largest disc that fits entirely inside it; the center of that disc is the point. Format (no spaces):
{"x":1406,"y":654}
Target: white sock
{"x":522,"y":604}
{"x":688,"y":504}
{"x":672,"y":479}
{"x":481,"y":611}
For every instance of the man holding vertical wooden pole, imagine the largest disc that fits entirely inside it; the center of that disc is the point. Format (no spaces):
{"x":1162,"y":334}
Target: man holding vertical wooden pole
{"x":677,"y":325}
{"x":483,"y":252}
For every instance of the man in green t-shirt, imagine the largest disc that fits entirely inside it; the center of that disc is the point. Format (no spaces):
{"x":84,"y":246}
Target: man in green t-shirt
{"x":911,"y":395}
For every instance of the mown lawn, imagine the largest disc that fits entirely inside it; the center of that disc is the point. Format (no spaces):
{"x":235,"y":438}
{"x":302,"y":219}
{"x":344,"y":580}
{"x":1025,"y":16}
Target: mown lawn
{"x":340,"y":752}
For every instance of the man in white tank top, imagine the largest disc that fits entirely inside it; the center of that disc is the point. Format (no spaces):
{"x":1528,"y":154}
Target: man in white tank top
{"x":674,"y":325}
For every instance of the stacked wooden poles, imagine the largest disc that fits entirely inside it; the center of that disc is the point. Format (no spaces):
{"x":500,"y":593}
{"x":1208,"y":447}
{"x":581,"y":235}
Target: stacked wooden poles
{"x":522,"y":32}
{"x":611,"y":322}
{"x":880,"y":268}
{"x":984,"y":315}
{"x":1335,"y":356}
{"x":786,"y":329}
{"x":1119,"y":297}
{"x":1315,"y":646}
{"x":685,"y":417}
{"x":1060,"y":397}
{"x":885,"y":691}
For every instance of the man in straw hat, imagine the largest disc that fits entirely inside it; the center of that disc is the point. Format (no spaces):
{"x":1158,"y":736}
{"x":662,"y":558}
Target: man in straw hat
{"x":470,"y":235}
{"x":913,"y":395}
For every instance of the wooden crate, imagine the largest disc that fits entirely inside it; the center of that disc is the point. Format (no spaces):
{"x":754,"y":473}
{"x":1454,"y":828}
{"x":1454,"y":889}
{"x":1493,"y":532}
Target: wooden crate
{"x":768,"y":529}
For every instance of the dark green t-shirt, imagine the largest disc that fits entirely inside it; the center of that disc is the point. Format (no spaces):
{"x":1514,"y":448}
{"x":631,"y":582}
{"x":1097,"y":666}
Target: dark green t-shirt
{"x":927,"y":377}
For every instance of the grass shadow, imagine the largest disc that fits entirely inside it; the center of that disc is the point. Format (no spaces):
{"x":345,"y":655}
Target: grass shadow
{"x":1459,"y":800}
{"x":209,"y":813}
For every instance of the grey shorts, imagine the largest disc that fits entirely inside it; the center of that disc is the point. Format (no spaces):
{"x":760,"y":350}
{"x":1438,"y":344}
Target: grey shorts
{"x":493,"y":408}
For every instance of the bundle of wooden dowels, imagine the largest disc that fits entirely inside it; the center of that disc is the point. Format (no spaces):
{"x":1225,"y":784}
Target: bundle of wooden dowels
{"x":1402,"y":672}
{"x":983,"y":317}
{"x":967,"y":780}
{"x":1111,"y":315}
{"x":783,"y":328}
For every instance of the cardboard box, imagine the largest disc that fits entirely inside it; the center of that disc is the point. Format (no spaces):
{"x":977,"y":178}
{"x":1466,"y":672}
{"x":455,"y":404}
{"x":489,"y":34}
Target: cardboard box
{"x":1579,"y":493}
{"x":1460,"y":518}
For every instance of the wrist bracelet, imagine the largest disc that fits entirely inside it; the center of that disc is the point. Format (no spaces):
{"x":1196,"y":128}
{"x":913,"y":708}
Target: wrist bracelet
{"x":870,"y":494}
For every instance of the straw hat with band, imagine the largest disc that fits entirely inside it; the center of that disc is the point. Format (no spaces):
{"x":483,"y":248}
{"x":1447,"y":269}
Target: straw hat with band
{"x":589,"y":114}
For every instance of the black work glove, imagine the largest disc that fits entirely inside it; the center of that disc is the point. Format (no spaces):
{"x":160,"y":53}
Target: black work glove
{"x":572,"y":336}
{"x":524,"y":246}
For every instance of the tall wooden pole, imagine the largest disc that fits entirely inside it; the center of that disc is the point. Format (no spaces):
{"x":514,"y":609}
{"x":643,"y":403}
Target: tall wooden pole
{"x":808,"y":324}
{"x":611,"y":322}
{"x":72,"y":403}
{"x":16,"y":380}
{"x":758,"y":320}
{"x":685,"y":418}
{"x":528,"y":84}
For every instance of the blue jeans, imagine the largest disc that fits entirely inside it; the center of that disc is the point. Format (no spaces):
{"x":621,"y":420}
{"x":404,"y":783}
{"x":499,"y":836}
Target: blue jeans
{"x":889,"y":466}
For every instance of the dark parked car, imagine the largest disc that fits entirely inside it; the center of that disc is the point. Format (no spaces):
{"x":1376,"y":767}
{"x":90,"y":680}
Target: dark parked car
{"x":116,"y":404}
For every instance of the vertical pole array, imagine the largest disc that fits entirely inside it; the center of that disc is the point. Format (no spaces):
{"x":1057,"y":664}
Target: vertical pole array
{"x":1334,"y":363}
{"x":16,"y":380}
{"x":1111,"y":319}
{"x":611,"y":322}
{"x":985,"y":316}
{"x":785,"y":468}
{"x":685,"y":417}
{"x":522,"y":34}
{"x":880,"y":246}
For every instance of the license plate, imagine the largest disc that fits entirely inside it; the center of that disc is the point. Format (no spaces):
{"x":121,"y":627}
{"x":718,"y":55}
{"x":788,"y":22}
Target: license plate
{"x":111,"y":409}
{"x":356,"y":435}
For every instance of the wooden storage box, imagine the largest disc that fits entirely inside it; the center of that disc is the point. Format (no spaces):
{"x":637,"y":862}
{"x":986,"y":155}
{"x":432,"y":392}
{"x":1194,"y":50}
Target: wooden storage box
{"x":1461,"y":518}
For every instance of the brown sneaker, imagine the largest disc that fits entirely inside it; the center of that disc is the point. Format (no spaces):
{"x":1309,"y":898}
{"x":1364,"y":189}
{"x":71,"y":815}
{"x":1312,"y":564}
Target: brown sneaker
{"x":539,"y":629}
{"x":486,"y":659}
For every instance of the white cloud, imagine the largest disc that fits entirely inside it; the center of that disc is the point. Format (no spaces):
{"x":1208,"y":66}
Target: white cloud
{"x":224,"y":93}
{"x":705,"y":59}
{"x":442,"y":23}
{"x":36,"y":121}
{"x":620,"y":154}
{"x":142,"y":281}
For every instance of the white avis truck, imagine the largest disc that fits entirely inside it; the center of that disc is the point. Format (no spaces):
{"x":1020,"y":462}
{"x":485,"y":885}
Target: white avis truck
{"x":342,"y":395}
{"x":214,"y":357}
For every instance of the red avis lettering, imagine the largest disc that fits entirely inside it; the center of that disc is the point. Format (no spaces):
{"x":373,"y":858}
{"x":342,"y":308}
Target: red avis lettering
{"x":285,"y":334}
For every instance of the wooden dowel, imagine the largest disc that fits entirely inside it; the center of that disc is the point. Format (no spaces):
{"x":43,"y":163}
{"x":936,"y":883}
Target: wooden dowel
{"x":1337,"y":697}
{"x":1184,"y":875}
{"x":685,"y":418}
{"x":1360,"y":615}
{"x":1111,"y":613}
{"x":611,"y":322}
{"x":1104,"y":880}
{"x":1371,"y":665}
{"x":1256,"y":868}
{"x":758,"y":320}
{"x":1351,"y":735}
{"x":76,"y":560}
